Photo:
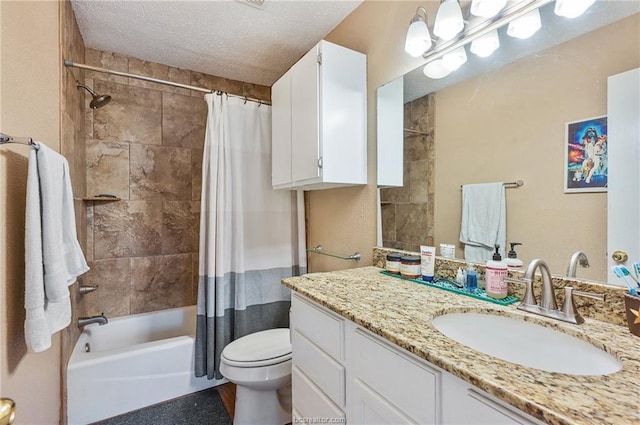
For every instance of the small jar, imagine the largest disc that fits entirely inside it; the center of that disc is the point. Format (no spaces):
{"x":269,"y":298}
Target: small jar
{"x":392,"y":264}
{"x":410,"y":267}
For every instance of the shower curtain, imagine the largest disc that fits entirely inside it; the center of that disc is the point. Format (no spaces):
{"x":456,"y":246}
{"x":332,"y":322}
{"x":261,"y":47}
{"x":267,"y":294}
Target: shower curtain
{"x":251,"y":236}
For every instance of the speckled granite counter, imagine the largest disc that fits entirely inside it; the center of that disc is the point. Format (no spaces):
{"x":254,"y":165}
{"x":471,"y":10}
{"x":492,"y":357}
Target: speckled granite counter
{"x":402,"y":311}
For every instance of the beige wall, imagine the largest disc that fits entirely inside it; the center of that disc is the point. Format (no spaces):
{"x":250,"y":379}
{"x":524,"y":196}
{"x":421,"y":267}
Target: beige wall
{"x":344,"y":220}
{"x":510,"y":124}
{"x":29,"y":106}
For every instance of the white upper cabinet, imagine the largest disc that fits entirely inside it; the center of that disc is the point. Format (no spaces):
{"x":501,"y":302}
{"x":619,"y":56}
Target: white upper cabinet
{"x":390,"y":113}
{"x":319,"y":125}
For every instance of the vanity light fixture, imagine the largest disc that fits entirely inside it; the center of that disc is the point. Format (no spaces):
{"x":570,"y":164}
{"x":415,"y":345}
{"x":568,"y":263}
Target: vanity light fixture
{"x":455,"y":59}
{"x":449,"y":22}
{"x":487,"y":8}
{"x":436,"y":70}
{"x":485,"y":45}
{"x":572,"y":8}
{"x":525,"y":26}
{"x":521,"y":16}
{"x":418,"y":38}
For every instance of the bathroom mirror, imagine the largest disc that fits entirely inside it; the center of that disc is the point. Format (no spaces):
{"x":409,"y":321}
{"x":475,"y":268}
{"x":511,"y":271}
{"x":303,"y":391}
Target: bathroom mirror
{"x":503,"y":118}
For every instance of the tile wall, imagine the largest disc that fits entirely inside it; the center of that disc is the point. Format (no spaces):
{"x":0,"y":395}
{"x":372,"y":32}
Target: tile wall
{"x":146,"y":148}
{"x":407,"y":211}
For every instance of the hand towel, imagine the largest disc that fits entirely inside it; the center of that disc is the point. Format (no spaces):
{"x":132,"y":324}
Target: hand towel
{"x":484,"y":220}
{"x":53,"y":257}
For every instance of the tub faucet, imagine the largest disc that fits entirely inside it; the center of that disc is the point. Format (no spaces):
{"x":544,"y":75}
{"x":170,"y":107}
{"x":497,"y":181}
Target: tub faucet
{"x":84,"y":321}
{"x":578,"y":257}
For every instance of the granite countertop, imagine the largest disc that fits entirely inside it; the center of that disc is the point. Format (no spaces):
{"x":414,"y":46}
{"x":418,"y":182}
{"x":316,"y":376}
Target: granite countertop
{"x":402,"y":311}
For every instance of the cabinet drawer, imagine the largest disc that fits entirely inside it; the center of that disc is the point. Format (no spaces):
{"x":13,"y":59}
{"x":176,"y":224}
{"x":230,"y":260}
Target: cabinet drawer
{"x":323,"y":328}
{"x":321,"y":368}
{"x":411,"y":386}
{"x":310,"y":402}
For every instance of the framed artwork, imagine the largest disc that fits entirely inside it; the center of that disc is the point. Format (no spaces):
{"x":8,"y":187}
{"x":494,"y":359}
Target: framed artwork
{"x":585,"y":162}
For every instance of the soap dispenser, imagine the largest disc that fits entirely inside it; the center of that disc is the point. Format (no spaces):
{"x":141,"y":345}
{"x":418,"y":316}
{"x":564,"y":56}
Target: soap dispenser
{"x":512,"y":259}
{"x":495,"y":272}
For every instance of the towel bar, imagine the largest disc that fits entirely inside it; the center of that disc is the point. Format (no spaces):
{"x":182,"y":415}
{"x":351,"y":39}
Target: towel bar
{"x":319,"y":250}
{"x":517,"y":183}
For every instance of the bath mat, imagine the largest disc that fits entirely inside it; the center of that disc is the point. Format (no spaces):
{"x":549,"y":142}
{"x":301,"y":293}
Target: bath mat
{"x":204,"y":407}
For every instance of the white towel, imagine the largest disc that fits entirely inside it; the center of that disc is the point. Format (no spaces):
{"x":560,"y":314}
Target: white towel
{"x":53,"y":257}
{"x":484,"y":221}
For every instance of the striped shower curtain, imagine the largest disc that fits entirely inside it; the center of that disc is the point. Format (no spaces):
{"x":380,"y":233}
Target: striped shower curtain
{"x":251,"y":236}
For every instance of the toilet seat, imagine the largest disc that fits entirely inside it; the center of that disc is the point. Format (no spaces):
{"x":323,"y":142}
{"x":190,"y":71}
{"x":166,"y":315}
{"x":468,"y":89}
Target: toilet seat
{"x":259,"y":349}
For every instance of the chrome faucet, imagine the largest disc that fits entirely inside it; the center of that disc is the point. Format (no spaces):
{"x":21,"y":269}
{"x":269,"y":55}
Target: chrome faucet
{"x":84,"y":321}
{"x":548,"y":305}
{"x":578,"y":257}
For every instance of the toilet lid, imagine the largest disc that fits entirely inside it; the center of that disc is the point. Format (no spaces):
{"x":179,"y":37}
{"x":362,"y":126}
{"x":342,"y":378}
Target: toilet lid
{"x":266,"y":347}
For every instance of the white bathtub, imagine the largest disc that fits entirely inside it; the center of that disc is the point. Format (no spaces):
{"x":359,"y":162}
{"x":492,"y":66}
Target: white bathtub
{"x":134,"y":361}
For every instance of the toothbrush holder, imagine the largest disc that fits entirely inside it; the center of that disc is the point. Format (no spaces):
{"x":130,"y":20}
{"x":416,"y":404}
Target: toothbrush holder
{"x":632,"y":307}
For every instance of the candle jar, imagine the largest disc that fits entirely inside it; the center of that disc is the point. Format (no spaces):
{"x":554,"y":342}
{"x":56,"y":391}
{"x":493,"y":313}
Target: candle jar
{"x":410,"y":267}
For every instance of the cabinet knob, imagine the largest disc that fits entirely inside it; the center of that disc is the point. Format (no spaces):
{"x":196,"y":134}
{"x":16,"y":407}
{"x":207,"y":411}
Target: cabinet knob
{"x":619,"y":256}
{"x":7,"y":411}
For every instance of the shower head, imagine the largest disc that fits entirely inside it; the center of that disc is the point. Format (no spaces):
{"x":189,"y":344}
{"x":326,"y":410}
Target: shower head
{"x":99,"y":100}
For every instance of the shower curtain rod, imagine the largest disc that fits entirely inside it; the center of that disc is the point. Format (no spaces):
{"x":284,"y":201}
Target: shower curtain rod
{"x":69,"y":63}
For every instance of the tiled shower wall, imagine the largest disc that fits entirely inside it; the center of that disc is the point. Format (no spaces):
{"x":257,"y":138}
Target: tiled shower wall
{"x":146,"y":148}
{"x":407,"y":211}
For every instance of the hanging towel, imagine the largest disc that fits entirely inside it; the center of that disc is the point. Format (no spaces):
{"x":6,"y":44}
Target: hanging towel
{"x":53,"y":257}
{"x":484,"y":221}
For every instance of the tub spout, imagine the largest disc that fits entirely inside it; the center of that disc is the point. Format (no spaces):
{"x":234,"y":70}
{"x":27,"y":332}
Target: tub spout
{"x":84,"y":321}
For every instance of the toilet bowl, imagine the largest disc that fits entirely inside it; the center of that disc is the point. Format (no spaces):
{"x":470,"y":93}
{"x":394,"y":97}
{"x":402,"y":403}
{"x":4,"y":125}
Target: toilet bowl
{"x":260,"y":366}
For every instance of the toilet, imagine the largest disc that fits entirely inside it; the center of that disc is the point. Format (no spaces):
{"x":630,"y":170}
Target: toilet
{"x":260,"y":366}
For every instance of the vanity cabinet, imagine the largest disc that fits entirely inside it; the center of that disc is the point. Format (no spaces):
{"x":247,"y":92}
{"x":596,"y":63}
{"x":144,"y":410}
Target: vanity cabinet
{"x":319,"y":127}
{"x":318,"y":366}
{"x":343,"y":371}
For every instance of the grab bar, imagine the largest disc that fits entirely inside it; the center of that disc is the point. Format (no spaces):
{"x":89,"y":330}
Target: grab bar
{"x":319,"y":250}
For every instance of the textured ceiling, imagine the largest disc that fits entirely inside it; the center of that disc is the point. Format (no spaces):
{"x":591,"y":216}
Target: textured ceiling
{"x":225,"y":38}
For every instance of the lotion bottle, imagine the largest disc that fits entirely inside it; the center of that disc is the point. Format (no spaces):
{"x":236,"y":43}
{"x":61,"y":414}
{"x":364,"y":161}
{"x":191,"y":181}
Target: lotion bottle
{"x":495,"y":272}
{"x":512,"y":259}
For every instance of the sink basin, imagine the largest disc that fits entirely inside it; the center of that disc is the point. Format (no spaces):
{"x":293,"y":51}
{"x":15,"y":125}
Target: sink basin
{"x":527,"y":344}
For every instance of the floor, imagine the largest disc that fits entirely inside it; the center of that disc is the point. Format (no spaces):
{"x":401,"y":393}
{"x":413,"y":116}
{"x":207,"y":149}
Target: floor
{"x":214,"y":406}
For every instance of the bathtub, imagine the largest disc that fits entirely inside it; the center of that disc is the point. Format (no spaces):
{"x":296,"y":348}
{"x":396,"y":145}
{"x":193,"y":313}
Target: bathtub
{"x":133,"y":362}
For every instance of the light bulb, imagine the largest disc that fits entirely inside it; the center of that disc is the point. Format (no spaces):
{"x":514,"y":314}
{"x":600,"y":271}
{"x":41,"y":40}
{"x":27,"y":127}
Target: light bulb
{"x":436,"y":70}
{"x":449,"y":21}
{"x":418,"y":39}
{"x":487,"y":8}
{"x":526,"y":25}
{"x":455,"y":59}
{"x":572,"y":8}
{"x":485,"y":45}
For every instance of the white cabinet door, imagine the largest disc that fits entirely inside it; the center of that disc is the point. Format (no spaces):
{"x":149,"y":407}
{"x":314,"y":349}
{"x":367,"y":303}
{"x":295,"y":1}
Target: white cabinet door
{"x":371,"y":408}
{"x":310,"y":402}
{"x":390,"y":135}
{"x":623,"y":146}
{"x":305,"y":118}
{"x":281,"y":131}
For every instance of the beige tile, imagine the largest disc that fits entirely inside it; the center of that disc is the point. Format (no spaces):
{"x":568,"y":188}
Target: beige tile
{"x":411,"y":223}
{"x":113,"y":279}
{"x":127,"y":229}
{"x":108,"y":168}
{"x":180,"y":227}
{"x":419,"y":186}
{"x":108,"y":60}
{"x":388,"y":216}
{"x":133,"y":115}
{"x":238,"y":88}
{"x":183,"y":121}
{"x":160,"y":72}
{"x":90,"y":225}
{"x":160,"y":172}
{"x":161,"y":282}
{"x":196,"y":174}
